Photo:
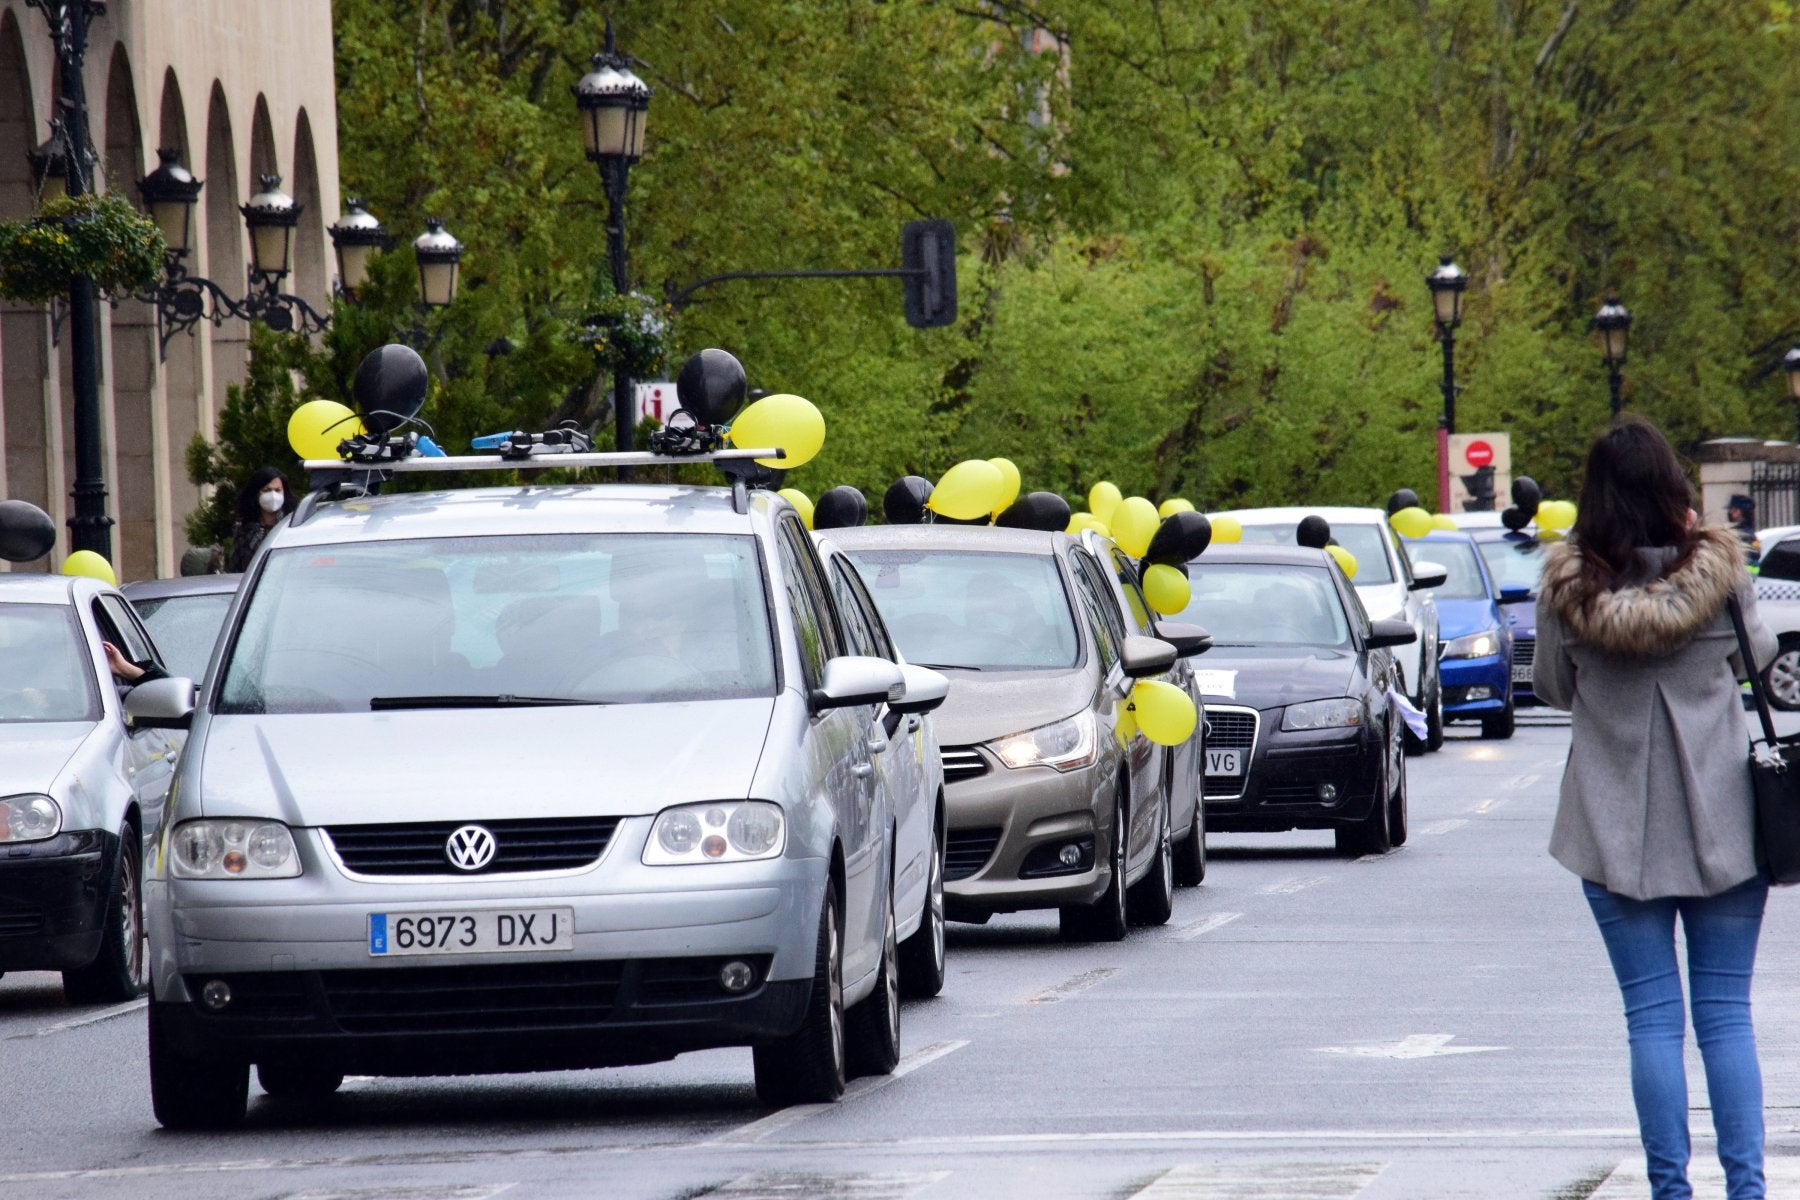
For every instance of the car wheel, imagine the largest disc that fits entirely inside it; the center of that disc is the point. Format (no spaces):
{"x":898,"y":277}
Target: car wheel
{"x":1500,"y":726}
{"x":922,"y":954}
{"x":121,"y":970}
{"x":1152,"y":899}
{"x":1783,"y":675}
{"x":807,"y":1066}
{"x":1190,"y":851}
{"x":1369,"y":835}
{"x":1105,"y":919}
{"x":189,"y":1091}
{"x":872,"y":1037}
{"x":1434,"y":713}
{"x":1397,"y":797}
{"x":288,"y":1080}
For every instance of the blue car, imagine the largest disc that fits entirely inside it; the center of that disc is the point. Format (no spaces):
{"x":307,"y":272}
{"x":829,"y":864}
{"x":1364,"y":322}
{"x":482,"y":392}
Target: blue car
{"x":1516,"y":560}
{"x":1475,"y":643}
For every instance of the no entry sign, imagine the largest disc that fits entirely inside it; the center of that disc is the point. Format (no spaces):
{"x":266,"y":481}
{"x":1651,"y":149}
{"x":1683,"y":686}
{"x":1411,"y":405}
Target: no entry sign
{"x":1479,"y":454}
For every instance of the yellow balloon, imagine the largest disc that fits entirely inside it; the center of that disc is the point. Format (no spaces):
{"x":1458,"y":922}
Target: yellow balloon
{"x":1125,"y":726}
{"x":1103,"y":497}
{"x":86,"y":562}
{"x":1345,"y":560}
{"x":1173,"y":505}
{"x":1227,"y":529}
{"x":968,"y":490}
{"x":1166,"y":588}
{"x":317,"y":427}
{"x":1009,"y":479}
{"x":1165,"y":713}
{"x":802,"y":505}
{"x":787,"y":422}
{"x":1444,"y":521}
{"x":1078,"y":521}
{"x":1412,"y":522}
{"x":1556,"y":515}
{"x":1134,"y":523}
{"x":1100,"y":527}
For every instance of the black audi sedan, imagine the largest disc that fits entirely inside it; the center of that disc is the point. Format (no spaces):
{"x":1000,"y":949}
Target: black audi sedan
{"x":1303,"y":731}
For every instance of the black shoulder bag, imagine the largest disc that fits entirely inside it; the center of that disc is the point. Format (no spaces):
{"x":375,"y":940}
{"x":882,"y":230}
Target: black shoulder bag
{"x":1775,"y":773}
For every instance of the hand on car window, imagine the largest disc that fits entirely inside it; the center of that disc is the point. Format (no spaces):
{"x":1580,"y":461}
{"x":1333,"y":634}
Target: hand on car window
{"x":123,"y":669}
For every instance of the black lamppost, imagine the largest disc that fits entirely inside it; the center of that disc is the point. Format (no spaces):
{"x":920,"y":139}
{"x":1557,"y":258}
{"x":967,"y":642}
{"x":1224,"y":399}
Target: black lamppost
{"x":1790,"y":363}
{"x":1447,"y":284}
{"x":90,"y":527}
{"x":1614,"y":323}
{"x":613,"y":102}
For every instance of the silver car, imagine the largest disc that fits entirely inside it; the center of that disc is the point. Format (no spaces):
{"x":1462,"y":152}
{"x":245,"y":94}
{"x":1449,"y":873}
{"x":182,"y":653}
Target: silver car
{"x":79,"y":789}
{"x":184,"y":616}
{"x":526,"y":779}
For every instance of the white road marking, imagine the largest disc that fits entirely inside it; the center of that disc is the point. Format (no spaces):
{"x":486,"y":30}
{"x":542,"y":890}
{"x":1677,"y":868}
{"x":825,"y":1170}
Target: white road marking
{"x":105,"y":1014}
{"x":1439,"y":827}
{"x":442,"y":1191}
{"x":1418,"y":1045}
{"x":807,"y":1185}
{"x":1070,"y":987}
{"x":762,"y":1127}
{"x":1629,"y":1180}
{"x":1521,"y":783}
{"x":1288,"y":887}
{"x":1187,"y":933}
{"x":1263,"y":1181}
{"x":1488,"y":806}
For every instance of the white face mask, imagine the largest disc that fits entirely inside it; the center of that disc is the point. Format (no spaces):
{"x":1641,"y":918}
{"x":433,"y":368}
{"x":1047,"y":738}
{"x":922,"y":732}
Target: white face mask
{"x":270,"y":501}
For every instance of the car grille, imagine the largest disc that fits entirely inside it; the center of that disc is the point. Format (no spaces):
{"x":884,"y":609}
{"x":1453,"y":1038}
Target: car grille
{"x":1230,"y":729}
{"x":20,"y":920}
{"x":966,"y":851}
{"x":962,"y":762}
{"x":1524,"y":651}
{"x":419,"y":848}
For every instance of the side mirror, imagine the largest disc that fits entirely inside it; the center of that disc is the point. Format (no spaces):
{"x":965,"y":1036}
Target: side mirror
{"x":925,"y":690}
{"x":1428,"y":575}
{"x":1141,"y":657}
{"x":1188,"y":640}
{"x":1514,"y":595}
{"x":1391,"y":633}
{"x":160,"y":704}
{"x":857,"y":679}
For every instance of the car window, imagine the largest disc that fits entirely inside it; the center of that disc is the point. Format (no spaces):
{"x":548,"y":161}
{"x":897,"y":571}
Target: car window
{"x":1126,"y":571}
{"x":1514,"y":563}
{"x":1463,"y":579}
{"x":119,"y":627}
{"x":1363,"y":541}
{"x":46,"y":669}
{"x":605,"y":618}
{"x":805,"y":605}
{"x":863,"y":627}
{"x":1254,"y":604}
{"x":1102,"y":618}
{"x":185,"y":628}
{"x":973,"y":609}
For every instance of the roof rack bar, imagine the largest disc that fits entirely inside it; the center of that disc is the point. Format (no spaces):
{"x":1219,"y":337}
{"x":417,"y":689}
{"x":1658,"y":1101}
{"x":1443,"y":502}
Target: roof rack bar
{"x":539,"y":462}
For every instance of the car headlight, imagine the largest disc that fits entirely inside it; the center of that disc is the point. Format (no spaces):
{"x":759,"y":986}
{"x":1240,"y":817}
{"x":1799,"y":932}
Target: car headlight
{"x":29,"y":818}
{"x":1063,"y":745}
{"x":1473,"y":645}
{"x":728,"y":831}
{"x":1323,"y":714}
{"x":233,"y":849}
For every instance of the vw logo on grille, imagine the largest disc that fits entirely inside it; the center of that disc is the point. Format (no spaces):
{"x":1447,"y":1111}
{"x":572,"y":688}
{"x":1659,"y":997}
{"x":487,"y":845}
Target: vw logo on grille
{"x":470,"y":848}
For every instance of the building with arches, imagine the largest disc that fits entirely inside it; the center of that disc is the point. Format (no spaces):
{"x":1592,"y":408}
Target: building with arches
{"x":241,"y":88}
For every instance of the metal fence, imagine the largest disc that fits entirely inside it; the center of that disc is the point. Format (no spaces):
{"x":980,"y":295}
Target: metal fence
{"x":1776,"y":489}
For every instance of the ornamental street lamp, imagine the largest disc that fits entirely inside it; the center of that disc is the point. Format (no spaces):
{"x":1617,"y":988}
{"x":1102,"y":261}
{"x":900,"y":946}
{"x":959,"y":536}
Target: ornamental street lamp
{"x":1614,"y":323}
{"x":1447,"y":285}
{"x":355,"y":237}
{"x":614,"y":103}
{"x":1790,"y":362}
{"x":50,"y":167}
{"x":170,"y":193}
{"x":440,"y":256}
{"x":271,"y":216}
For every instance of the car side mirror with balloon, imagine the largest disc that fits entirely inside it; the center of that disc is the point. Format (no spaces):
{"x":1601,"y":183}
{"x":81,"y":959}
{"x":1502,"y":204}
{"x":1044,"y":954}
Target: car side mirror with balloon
{"x":1188,"y":640}
{"x":925,"y":690}
{"x":856,"y":679}
{"x":1390,"y":632}
{"x":161,"y":704}
{"x":1428,"y":575}
{"x":1141,"y":657}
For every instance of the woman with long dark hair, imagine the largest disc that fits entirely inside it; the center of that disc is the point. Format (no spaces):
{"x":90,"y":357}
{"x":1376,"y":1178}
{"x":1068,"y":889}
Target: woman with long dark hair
{"x":263,"y":500}
{"x":1656,"y":815}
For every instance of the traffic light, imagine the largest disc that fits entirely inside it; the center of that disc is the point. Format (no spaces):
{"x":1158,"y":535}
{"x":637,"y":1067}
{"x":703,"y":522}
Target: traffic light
{"x":928,"y":263}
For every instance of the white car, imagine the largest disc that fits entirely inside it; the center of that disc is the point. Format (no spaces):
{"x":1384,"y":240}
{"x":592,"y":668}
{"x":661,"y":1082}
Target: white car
{"x":1778,"y":602}
{"x":1390,"y":585}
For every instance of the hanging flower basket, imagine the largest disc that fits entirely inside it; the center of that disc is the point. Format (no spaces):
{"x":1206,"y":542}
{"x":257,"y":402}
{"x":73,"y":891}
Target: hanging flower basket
{"x":100,"y":237}
{"x":631,"y":334}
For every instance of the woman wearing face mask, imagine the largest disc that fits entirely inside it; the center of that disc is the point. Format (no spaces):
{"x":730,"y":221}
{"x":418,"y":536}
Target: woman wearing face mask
{"x":262,"y":501}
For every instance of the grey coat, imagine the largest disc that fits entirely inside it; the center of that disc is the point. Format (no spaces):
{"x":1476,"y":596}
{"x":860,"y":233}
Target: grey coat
{"x":1656,"y":797}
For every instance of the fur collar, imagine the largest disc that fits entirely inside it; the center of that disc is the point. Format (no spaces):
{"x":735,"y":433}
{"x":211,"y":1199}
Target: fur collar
{"x":1650,"y":619}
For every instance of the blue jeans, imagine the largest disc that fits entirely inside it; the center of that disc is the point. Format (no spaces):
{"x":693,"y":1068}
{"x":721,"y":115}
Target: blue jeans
{"x":1721,"y":949}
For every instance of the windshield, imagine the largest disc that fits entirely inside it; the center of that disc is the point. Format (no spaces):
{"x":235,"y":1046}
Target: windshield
{"x":989,"y":612}
{"x":1463,"y":579}
{"x":1362,"y":541}
{"x":46,"y":670}
{"x":184,"y":629}
{"x":1249,"y":604}
{"x":1514,"y":563}
{"x":613,"y":618}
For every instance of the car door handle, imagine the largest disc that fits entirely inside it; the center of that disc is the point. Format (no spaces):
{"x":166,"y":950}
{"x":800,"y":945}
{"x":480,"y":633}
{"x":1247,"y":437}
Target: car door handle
{"x":877,"y":745}
{"x":862,"y":770}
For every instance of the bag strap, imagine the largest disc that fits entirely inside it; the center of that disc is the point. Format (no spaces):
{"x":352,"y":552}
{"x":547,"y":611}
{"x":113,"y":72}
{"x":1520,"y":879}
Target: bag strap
{"x":1756,"y":679}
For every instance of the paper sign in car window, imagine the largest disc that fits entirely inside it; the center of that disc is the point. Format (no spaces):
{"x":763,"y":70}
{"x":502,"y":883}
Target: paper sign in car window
{"x":1217,"y":683}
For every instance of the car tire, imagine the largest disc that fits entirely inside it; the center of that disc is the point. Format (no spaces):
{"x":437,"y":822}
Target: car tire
{"x":1105,"y":919}
{"x":1397,"y":814}
{"x":1369,"y":835}
{"x":1151,"y":900}
{"x":807,"y":1066}
{"x":1190,"y":851}
{"x":1500,"y":726}
{"x":872,"y":1030}
{"x":922,"y":955}
{"x":121,"y":970}
{"x":1434,"y":712}
{"x":1782,"y":676}
{"x":285,"y":1079}
{"x":188,"y":1091}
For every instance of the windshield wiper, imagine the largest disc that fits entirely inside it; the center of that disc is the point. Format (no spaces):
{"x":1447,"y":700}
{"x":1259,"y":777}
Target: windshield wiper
{"x":946,"y":666}
{"x":382,"y":703}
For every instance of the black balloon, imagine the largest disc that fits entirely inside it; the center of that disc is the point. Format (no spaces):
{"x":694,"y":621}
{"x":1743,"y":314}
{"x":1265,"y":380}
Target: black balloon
{"x":904,"y":501}
{"x":1313,"y":531}
{"x":1036,"y":510}
{"x":1181,"y":536}
{"x":1403,"y":498}
{"x":26,"y":531}
{"x":389,"y":388}
{"x":840,"y":508}
{"x":1516,"y":518}
{"x":711,"y":386}
{"x":1527,"y":495}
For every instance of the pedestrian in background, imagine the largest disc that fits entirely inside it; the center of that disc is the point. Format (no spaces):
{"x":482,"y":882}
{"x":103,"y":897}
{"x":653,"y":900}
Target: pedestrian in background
{"x":1740,"y":510}
{"x":263,"y":500}
{"x":1656,"y":813}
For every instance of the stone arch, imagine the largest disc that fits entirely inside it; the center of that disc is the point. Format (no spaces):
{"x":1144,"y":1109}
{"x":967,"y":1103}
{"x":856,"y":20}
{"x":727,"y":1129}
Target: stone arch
{"x":311,"y":279}
{"x":122,"y":153}
{"x":171,"y":124}
{"x":264,"y":159}
{"x":184,"y":369}
{"x":225,"y":250}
